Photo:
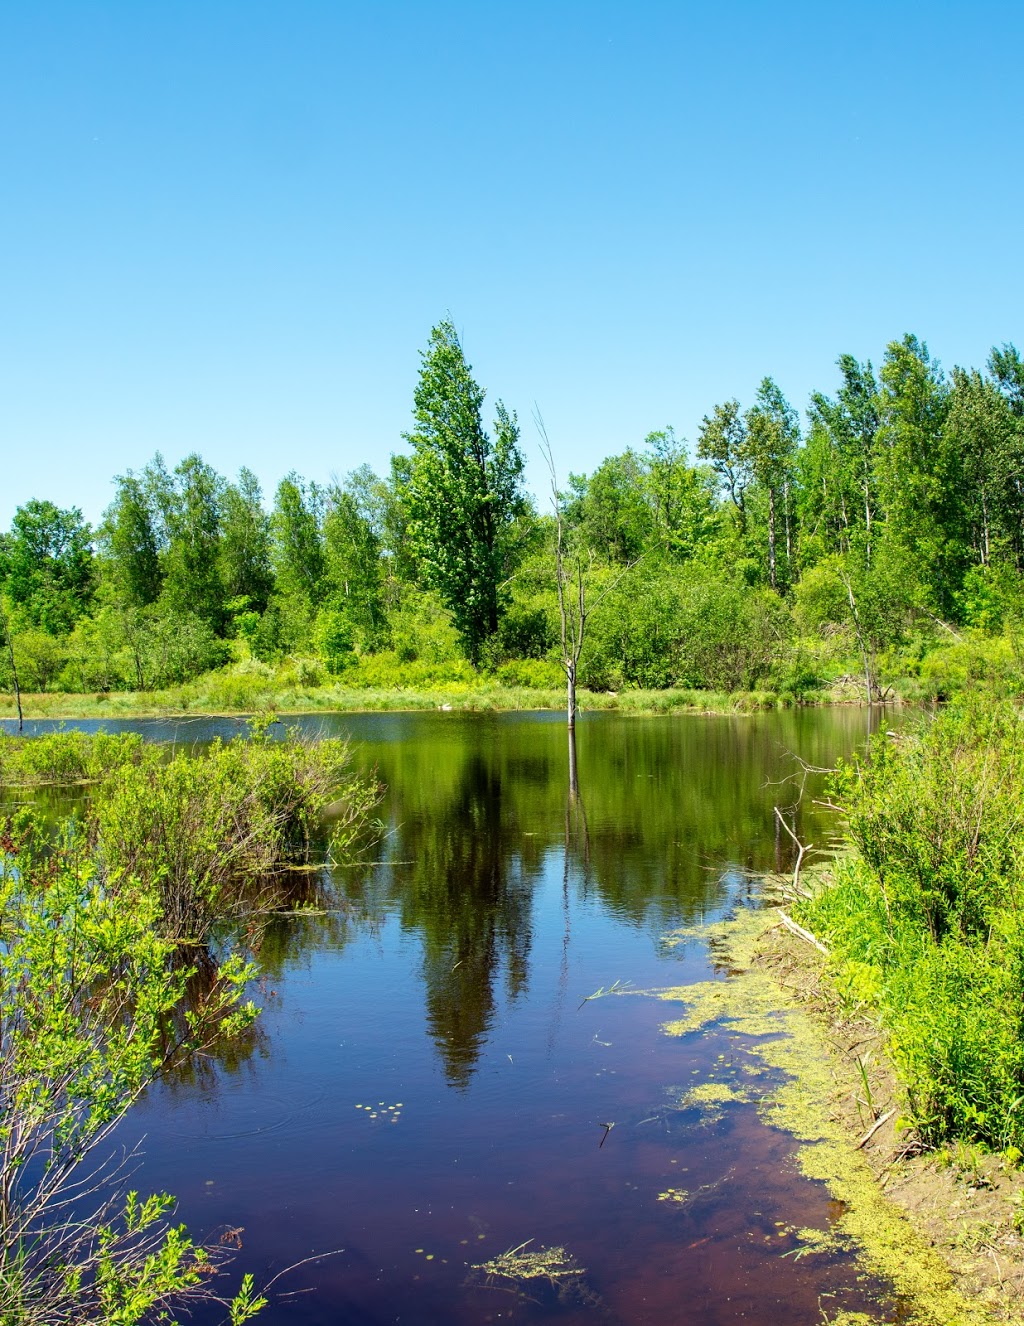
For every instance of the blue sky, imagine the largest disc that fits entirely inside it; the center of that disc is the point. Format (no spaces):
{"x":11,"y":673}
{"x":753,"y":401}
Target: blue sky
{"x":229,"y":227}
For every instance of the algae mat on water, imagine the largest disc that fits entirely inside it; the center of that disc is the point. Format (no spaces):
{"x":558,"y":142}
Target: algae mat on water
{"x":783,"y":1040}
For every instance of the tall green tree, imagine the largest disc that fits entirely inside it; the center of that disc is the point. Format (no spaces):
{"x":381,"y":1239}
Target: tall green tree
{"x":298,"y":544}
{"x":1006,"y":369}
{"x":611,"y":511}
{"x":681,"y":497}
{"x":838,"y":464}
{"x":921,"y":483}
{"x":352,"y":555}
{"x":772,"y":439}
{"x":463,"y":493}
{"x":723,"y":442}
{"x":192,"y":512}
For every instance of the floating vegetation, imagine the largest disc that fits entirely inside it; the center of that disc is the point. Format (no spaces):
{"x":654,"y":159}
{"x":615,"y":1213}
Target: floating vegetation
{"x":536,"y":1274}
{"x":678,"y":1196}
{"x":712,"y":1097}
{"x":382,"y":1111}
{"x":616,"y":987}
{"x":816,"y":1242}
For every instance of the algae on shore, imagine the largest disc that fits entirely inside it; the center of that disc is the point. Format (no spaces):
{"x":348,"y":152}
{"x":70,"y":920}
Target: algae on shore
{"x":769,"y":1026}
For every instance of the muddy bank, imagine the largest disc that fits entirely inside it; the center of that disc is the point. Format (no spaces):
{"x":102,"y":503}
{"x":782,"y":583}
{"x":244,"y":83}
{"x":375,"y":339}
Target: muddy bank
{"x":938,"y":1230}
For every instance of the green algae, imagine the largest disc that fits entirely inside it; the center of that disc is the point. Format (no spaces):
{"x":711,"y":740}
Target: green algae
{"x":752,"y":1009}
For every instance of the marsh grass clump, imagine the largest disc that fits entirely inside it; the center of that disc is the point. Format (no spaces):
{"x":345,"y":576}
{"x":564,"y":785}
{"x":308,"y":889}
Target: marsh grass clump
{"x":923,"y":916}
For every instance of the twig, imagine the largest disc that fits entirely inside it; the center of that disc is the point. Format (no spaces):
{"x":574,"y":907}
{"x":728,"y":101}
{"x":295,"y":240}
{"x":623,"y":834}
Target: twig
{"x":874,"y":1128}
{"x":800,"y":848}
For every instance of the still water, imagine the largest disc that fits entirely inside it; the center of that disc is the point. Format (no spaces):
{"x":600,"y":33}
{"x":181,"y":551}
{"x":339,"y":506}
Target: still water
{"x":430,"y":1086}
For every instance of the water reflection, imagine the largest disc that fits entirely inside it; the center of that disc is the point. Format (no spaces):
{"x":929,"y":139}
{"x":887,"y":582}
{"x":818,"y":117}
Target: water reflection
{"x":447,"y":974}
{"x":642,"y":814}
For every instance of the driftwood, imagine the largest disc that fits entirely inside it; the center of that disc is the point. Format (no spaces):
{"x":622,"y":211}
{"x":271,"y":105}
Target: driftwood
{"x":874,"y":1129}
{"x":801,"y":933}
{"x":801,"y":852}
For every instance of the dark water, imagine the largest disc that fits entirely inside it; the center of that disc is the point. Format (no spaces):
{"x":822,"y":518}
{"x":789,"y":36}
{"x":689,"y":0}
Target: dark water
{"x":427,"y":1088}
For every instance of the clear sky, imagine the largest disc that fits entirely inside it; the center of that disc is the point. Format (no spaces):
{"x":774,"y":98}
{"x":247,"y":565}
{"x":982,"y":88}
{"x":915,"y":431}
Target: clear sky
{"x":228,"y":227}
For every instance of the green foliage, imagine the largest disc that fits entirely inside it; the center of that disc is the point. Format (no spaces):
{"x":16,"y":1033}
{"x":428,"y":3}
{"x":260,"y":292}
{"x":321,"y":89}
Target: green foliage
{"x":423,"y":629}
{"x":353,"y":559}
{"x":923,"y":920}
{"x":245,"y":551}
{"x":690,"y":627}
{"x":334,"y":638}
{"x":463,"y":491}
{"x":298,"y":547}
{"x":46,"y":566}
{"x":66,"y":757}
{"x":192,"y":516}
{"x":91,"y":996}
{"x":903,"y":509}
{"x":128,"y":539}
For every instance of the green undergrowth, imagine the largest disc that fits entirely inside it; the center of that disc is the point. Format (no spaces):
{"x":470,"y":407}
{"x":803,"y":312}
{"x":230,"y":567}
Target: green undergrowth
{"x":67,"y":757}
{"x":126,"y":929}
{"x":236,"y":692}
{"x":922,"y":916}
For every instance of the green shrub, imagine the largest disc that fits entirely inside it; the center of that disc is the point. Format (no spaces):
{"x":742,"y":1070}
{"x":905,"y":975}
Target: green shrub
{"x":532,"y":673}
{"x":93,"y":1002}
{"x":66,"y":757}
{"x":203,"y":831}
{"x":923,"y":918}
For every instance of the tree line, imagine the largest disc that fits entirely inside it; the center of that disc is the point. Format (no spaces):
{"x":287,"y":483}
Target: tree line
{"x":896,"y":506}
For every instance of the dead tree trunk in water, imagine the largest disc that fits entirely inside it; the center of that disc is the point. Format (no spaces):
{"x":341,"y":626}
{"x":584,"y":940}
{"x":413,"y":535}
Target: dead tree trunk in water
{"x":572,"y":599}
{"x":571,"y":581}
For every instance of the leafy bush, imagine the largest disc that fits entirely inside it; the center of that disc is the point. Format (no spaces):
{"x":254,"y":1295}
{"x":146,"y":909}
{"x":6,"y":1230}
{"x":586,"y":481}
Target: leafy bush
{"x":201,"y":830}
{"x":66,"y":757}
{"x":923,"y":918}
{"x":389,"y":670}
{"x":688,"y":627}
{"x":334,"y":638}
{"x":91,"y":995}
{"x":533,"y":673}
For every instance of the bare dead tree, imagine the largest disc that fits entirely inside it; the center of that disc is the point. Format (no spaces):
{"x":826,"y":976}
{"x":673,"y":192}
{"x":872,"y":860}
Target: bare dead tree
{"x":575,"y":605}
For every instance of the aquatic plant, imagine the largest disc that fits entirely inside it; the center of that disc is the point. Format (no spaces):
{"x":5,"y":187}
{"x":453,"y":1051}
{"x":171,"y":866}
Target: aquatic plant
{"x":529,"y":1272}
{"x":66,"y":757}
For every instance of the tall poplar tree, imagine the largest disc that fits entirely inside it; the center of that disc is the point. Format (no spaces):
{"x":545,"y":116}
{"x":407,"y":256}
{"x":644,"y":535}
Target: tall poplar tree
{"x":463,"y":493}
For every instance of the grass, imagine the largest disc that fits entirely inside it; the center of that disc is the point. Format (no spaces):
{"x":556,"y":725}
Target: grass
{"x":229,"y":693}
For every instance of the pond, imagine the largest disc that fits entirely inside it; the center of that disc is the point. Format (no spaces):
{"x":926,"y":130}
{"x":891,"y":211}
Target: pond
{"x":431,"y":1085}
